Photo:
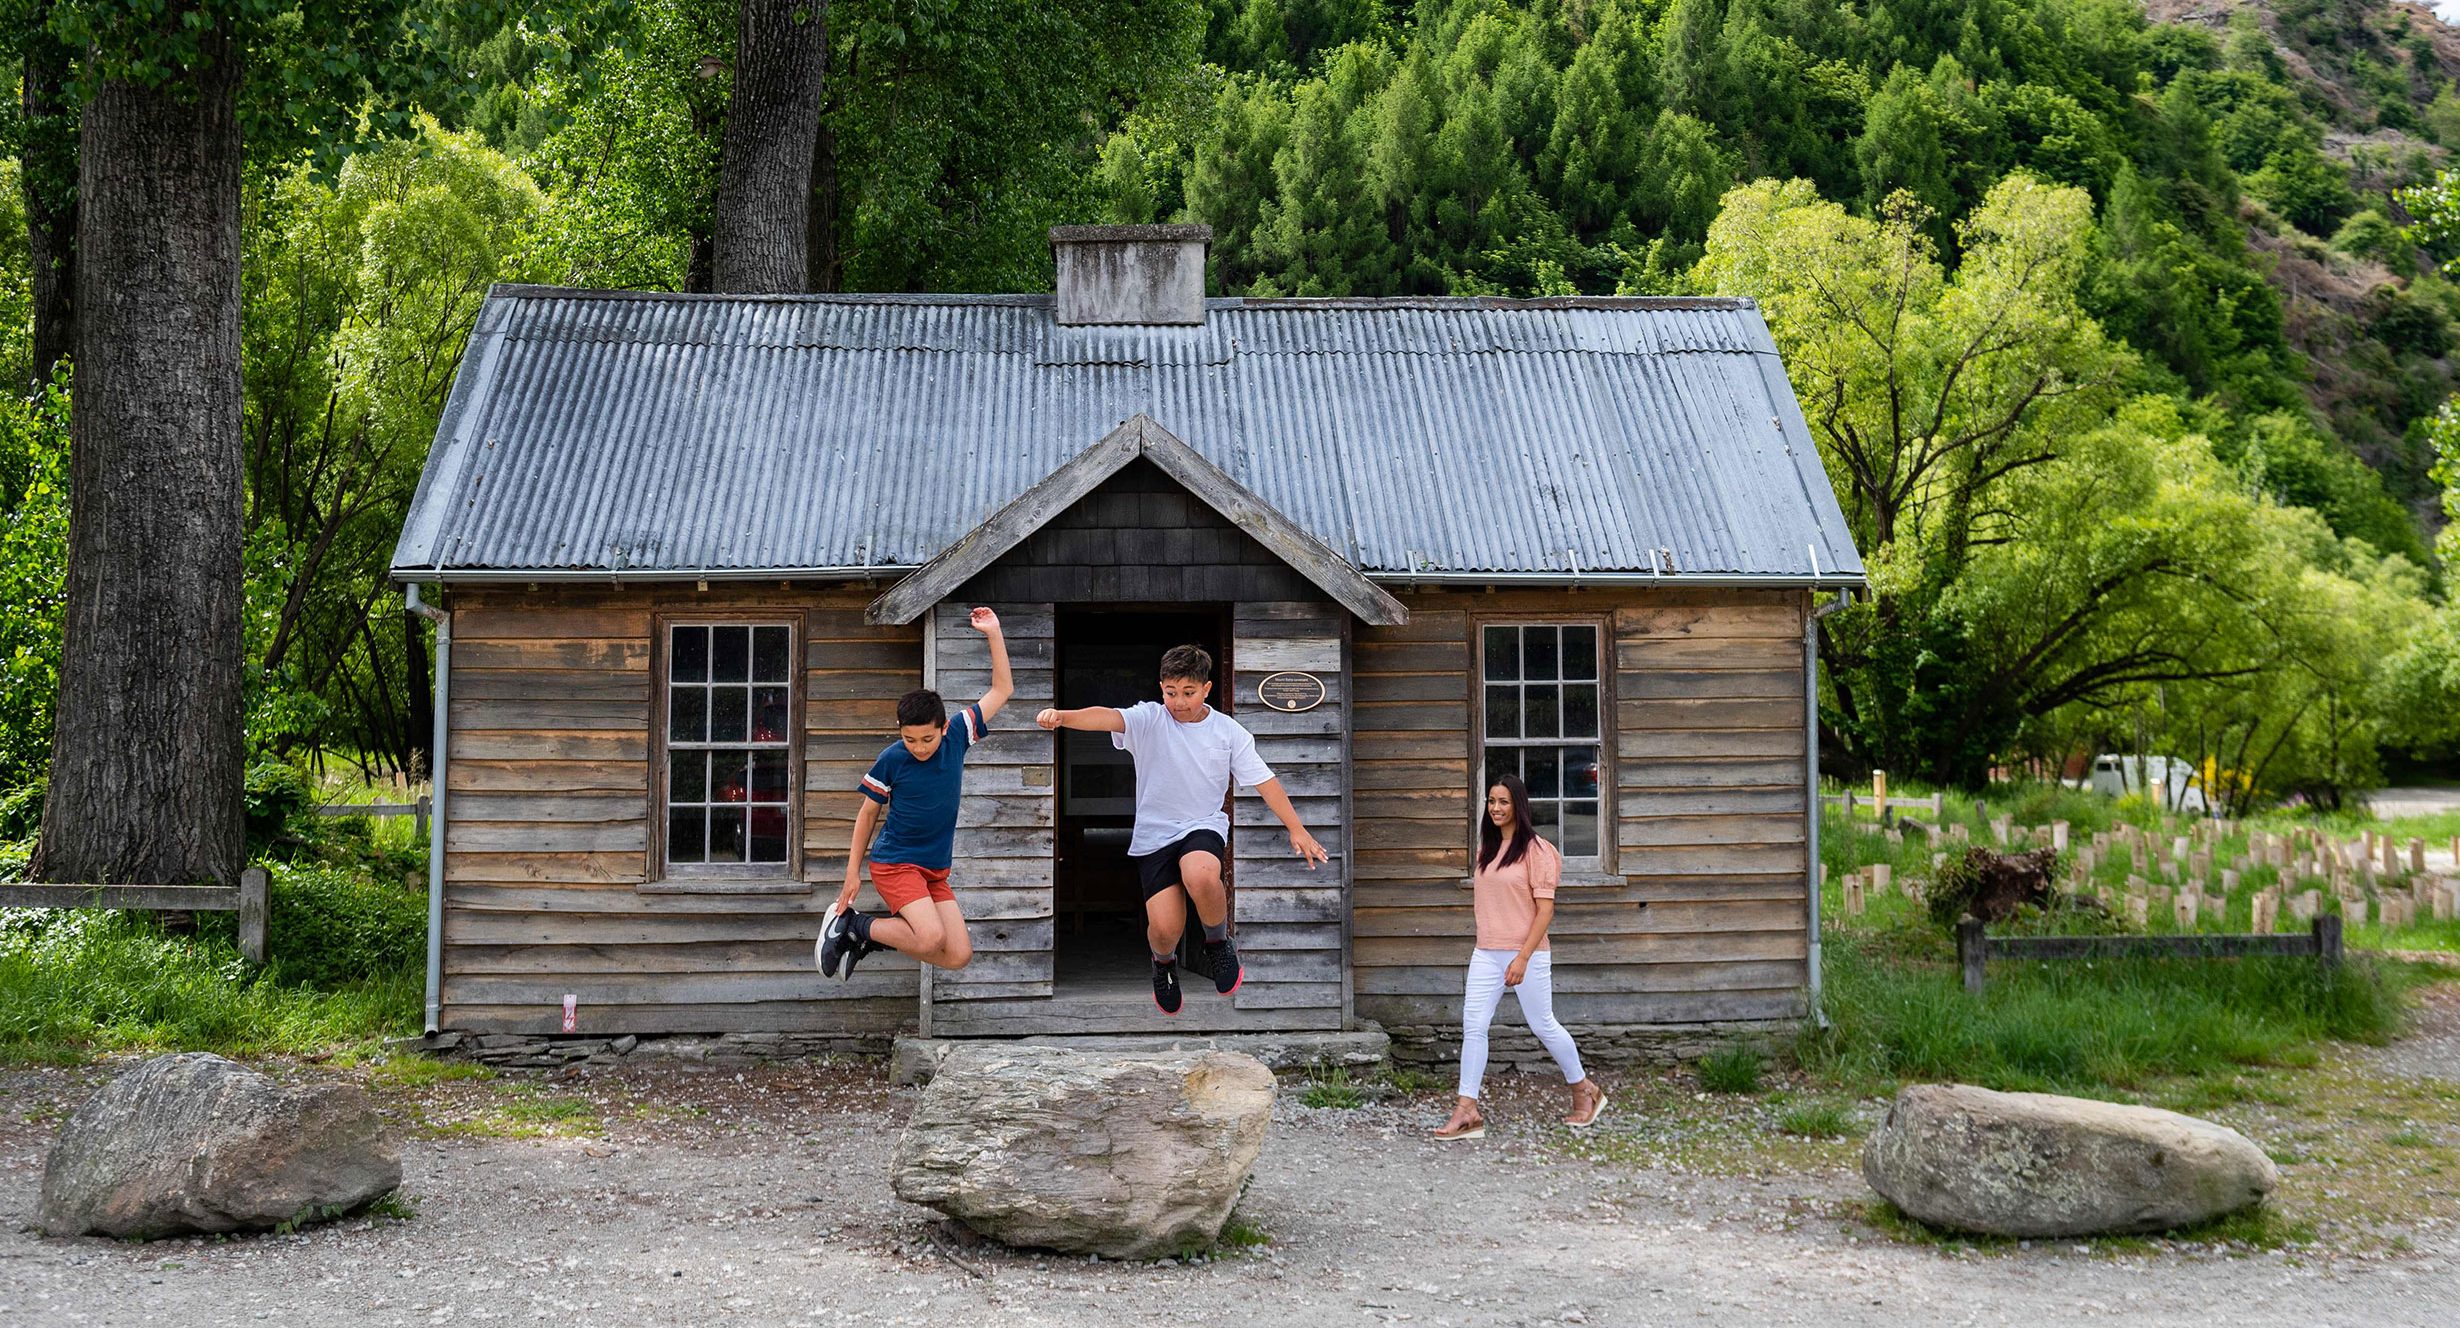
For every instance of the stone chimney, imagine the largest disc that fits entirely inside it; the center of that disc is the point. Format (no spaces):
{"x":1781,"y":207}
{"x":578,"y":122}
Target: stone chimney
{"x":1130,"y":274}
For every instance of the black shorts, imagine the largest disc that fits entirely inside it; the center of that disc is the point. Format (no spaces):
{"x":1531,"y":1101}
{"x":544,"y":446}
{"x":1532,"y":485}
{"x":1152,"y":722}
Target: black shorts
{"x":1159,"y":870}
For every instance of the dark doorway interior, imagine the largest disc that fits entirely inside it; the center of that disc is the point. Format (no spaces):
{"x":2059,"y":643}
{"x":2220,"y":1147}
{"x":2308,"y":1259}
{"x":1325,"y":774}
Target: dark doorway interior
{"x":1111,"y":657}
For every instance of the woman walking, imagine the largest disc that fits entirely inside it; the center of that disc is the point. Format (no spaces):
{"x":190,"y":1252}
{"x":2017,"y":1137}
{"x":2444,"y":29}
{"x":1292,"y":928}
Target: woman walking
{"x":1514,"y":901}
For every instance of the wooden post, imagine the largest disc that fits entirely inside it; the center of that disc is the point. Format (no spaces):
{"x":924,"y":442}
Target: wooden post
{"x":1969,"y":948}
{"x":1883,"y":877}
{"x":254,"y":906}
{"x":2327,"y":941}
{"x":1879,"y":792}
{"x":2417,"y":854}
{"x":2058,"y":835}
{"x":425,"y":805}
{"x":1938,"y":806}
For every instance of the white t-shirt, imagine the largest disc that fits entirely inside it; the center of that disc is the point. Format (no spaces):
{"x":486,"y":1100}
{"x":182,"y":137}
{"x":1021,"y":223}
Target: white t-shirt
{"x":1183,"y":771}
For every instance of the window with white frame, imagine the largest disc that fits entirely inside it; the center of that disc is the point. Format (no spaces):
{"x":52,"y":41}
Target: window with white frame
{"x":1542,"y":706}
{"x":729,"y":747}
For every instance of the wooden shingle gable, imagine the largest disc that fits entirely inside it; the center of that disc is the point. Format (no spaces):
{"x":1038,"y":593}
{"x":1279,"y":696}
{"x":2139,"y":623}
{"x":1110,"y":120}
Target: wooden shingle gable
{"x":935,"y":580}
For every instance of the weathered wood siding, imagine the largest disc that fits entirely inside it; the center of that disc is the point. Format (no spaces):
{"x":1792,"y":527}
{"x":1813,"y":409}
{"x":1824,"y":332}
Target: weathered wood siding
{"x":1139,"y":537}
{"x":1290,"y":918}
{"x":1005,"y":823}
{"x":547,"y":837}
{"x":1700,"y":913}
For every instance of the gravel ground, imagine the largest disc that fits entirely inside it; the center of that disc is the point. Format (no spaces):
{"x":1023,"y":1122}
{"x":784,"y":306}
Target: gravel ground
{"x":708,"y":1195}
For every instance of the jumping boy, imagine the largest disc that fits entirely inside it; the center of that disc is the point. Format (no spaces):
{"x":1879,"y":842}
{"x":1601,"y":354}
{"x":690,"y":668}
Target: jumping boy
{"x":918,"y":778}
{"x":1186,"y":755}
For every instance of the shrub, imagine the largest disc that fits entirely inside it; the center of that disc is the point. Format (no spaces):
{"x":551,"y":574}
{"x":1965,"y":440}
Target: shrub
{"x":278,"y":800}
{"x":1733,"y":1070}
{"x":331,"y":926}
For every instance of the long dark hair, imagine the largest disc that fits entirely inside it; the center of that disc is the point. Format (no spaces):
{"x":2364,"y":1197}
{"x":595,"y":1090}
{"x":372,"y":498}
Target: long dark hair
{"x":1490,"y":835}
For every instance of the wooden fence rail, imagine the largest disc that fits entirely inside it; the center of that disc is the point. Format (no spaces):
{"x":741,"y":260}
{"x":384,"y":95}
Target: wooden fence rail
{"x":248,"y":899}
{"x":420,"y":809}
{"x":1935,"y":804}
{"x":2321,"y":943}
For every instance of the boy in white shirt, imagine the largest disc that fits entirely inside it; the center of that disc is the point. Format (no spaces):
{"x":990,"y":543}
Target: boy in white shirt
{"x":1186,"y":755}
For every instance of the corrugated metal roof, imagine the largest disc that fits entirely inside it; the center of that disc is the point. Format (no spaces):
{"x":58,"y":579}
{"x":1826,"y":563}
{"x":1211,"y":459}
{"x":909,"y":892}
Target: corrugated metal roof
{"x":631,"y":432}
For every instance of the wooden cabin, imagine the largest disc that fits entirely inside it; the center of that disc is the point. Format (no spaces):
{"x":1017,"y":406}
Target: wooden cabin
{"x":689,"y":549}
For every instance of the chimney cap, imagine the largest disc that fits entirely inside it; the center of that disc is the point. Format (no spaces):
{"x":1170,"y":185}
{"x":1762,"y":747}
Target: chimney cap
{"x":1179,"y":233}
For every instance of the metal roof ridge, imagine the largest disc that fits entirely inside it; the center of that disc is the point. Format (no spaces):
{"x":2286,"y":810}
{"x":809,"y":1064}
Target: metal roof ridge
{"x":1272,"y":304}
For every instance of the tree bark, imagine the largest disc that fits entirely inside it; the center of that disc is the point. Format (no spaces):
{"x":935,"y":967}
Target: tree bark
{"x":48,"y":174}
{"x":759,"y":230}
{"x":147,"y":752}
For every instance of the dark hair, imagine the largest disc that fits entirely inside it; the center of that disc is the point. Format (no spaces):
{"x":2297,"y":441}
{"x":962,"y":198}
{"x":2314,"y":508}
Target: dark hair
{"x":921,"y":706}
{"x":1490,"y":835}
{"x":1190,"y":663}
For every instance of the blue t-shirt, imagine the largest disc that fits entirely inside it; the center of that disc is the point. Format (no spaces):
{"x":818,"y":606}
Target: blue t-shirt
{"x":922,"y":796}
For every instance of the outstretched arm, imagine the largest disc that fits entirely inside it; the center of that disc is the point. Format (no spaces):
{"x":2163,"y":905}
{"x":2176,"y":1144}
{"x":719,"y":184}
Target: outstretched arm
{"x":1002,"y":685}
{"x":1092,"y":719}
{"x":1301,"y":843}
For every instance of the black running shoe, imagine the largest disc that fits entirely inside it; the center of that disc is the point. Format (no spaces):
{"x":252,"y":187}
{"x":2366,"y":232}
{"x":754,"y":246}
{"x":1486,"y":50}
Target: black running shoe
{"x":1221,"y":959}
{"x":1166,"y":985}
{"x":839,"y":946}
{"x":856,"y":950}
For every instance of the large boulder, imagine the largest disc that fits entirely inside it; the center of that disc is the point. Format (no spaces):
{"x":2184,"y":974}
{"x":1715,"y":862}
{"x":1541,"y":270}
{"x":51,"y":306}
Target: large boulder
{"x":2037,"y":1165}
{"x":193,"y":1143}
{"x":1122,"y":1155}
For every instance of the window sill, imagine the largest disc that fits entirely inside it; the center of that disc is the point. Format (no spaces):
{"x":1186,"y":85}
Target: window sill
{"x":745,"y":886}
{"x":1572,"y":880}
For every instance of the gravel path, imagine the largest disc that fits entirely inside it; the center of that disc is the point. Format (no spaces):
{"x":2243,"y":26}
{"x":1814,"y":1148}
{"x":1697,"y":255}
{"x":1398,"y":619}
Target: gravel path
{"x":761,"y":1198}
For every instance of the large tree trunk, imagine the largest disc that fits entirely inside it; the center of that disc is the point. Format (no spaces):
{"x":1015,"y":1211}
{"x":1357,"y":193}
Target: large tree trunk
{"x":146,"y":768}
{"x":48,"y":173}
{"x":759,"y":230}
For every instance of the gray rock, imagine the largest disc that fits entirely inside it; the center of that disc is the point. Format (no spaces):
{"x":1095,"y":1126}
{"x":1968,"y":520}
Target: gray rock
{"x":2036,"y":1165}
{"x":194,"y":1142}
{"x":1125,"y":1156}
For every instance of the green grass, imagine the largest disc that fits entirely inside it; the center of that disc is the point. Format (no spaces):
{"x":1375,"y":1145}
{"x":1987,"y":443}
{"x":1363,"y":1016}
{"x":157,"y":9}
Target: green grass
{"x":77,"y":983}
{"x":1240,"y":1234}
{"x":1331,"y":1086}
{"x":1732,"y":1070}
{"x":1817,"y":1120}
{"x":2085,"y":1026}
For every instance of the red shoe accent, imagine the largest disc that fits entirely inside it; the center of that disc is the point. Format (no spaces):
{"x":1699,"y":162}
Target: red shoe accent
{"x":1157,"y":1004}
{"x":1234,"y":987}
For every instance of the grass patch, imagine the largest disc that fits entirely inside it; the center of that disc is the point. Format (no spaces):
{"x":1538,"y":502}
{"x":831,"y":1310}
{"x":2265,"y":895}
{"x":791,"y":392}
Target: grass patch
{"x":74,"y":983}
{"x":2086,"y":1026}
{"x":1817,"y":1120}
{"x":1733,"y":1070}
{"x":2410,"y":1138}
{"x":2262,"y":1227}
{"x":1332,"y":1086}
{"x":1409,"y":1081}
{"x":1240,"y":1234}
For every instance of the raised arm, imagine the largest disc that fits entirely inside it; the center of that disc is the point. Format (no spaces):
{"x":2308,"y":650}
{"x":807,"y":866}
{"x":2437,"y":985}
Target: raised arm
{"x":1002,"y":685}
{"x":1092,"y":719}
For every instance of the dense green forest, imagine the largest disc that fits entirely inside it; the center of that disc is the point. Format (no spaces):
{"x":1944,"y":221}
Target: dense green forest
{"x":2127,"y":341}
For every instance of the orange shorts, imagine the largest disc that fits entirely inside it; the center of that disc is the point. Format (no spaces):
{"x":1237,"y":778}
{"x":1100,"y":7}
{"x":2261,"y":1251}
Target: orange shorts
{"x":903,"y":883}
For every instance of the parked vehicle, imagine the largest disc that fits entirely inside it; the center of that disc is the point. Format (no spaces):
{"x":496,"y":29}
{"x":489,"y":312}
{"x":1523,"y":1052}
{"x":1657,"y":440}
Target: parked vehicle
{"x":2171,"y":781}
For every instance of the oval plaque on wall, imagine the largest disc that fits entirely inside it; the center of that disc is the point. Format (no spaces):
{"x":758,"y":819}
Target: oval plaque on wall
{"x":1290,"y":692}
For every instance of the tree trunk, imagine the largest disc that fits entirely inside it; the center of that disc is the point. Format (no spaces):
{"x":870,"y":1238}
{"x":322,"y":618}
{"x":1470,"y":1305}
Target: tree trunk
{"x":828,"y":267}
{"x":759,"y":230}
{"x":147,"y":752}
{"x":48,"y":174}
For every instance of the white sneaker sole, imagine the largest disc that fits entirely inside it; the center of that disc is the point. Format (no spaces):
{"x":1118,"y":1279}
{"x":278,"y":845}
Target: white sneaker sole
{"x":819,"y":947}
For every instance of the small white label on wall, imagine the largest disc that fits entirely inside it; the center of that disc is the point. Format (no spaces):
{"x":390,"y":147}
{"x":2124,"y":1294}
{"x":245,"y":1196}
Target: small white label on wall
{"x":571,"y":1002}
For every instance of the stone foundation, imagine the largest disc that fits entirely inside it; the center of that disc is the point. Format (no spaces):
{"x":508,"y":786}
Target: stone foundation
{"x":527,"y":1051}
{"x":1513,"y":1046}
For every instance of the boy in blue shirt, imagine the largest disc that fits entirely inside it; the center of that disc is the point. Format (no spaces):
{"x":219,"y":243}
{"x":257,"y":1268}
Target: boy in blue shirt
{"x":919,"y":778}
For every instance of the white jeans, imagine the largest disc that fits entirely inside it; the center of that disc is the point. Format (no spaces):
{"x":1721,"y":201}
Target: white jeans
{"x":1537,"y":1005}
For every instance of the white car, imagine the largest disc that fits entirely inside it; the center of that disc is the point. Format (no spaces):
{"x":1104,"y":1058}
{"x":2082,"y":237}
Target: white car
{"x":2173,"y":779}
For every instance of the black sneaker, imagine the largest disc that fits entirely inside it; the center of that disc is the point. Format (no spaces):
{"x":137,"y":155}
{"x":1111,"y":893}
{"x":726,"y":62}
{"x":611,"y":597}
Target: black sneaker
{"x":1221,"y":959}
{"x":1166,"y":985}
{"x":839,"y":946}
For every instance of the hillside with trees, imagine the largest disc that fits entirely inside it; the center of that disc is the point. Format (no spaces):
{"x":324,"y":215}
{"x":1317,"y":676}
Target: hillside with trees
{"x":2123,"y":330}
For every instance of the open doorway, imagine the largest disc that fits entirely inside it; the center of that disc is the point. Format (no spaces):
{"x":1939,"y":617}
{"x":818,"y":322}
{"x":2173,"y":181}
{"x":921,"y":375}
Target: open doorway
{"x":1112,"y":657}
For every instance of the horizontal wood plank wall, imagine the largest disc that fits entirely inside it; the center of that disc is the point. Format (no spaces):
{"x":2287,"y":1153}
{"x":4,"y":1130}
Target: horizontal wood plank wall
{"x":1702,"y":914}
{"x":1289,"y":918}
{"x":1005,"y":825}
{"x":547,"y":824}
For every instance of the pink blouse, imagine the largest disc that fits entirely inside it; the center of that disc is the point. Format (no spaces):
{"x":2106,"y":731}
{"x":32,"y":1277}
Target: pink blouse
{"x":1505,"y":898}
